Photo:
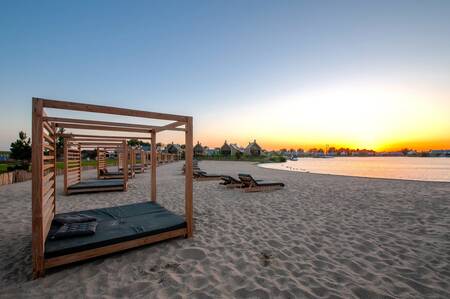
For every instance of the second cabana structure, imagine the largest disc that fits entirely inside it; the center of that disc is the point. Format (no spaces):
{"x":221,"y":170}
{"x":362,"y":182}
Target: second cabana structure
{"x":97,"y":231}
{"x":73,"y":182}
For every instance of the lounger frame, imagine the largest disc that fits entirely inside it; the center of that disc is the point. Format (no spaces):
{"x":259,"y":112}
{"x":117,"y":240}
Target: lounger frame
{"x":44,"y":172}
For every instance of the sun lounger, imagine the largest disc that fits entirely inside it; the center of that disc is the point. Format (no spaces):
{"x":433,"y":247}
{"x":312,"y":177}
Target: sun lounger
{"x":252,"y":185}
{"x":107,"y":175}
{"x":231,"y":182}
{"x":204,"y":176}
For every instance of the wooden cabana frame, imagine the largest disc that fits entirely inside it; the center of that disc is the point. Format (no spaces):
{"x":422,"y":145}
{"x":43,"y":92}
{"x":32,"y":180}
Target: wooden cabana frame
{"x":44,"y":173}
{"x":73,"y":167}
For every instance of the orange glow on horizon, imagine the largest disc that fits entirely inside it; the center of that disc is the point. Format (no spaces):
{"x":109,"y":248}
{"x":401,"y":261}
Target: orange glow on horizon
{"x":362,"y":115}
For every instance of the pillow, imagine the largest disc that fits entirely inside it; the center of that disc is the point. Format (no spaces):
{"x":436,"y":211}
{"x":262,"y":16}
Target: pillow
{"x":69,"y":230}
{"x":77,"y":218}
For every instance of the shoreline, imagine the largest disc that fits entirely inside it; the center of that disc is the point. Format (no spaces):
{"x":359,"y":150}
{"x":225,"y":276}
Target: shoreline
{"x":350,"y":176}
{"x":370,"y":167}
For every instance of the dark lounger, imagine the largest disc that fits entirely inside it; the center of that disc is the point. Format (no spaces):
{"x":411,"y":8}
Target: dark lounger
{"x":107,"y":175}
{"x":203,"y":175}
{"x":96,"y":186}
{"x":116,"y":225}
{"x":250,"y":184}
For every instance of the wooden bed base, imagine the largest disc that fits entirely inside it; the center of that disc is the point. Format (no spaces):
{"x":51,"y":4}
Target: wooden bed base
{"x":92,"y":190}
{"x":93,"y":253}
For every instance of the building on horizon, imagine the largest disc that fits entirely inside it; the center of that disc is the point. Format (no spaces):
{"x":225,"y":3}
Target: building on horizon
{"x":253,"y":149}
{"x":199,"y":150}
{"x":229,"y":149}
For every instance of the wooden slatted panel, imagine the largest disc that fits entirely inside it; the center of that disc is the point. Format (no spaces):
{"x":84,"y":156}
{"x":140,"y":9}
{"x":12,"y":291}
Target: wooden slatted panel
{"x":48,"y":182}
{"x":72,"y":165}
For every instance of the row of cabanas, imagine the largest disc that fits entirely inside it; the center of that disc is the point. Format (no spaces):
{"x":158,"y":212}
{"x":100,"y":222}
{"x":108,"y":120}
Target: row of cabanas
{"x":64,"y":238}
{"x":137,"y":161}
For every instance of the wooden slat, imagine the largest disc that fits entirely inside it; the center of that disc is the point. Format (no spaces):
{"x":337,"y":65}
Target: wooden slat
{"x":48,"y":146}
{"x":47,"y":220}
{"x":48,"y":166}
{"x":88,"y":254}
{"x":48,"y":177}
{"x":47,"y":138}
{"x":71,"y":182}
{"x":48,"y":157}
{"x":47,"y":195}
{"x":48,"y":128}
{"x":48,"y":186}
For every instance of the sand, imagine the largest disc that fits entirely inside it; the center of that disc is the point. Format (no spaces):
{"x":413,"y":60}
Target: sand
{"x":322,"y":236}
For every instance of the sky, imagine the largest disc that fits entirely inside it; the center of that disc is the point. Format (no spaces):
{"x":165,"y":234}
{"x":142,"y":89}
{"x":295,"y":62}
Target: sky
{"x":290,"y":74}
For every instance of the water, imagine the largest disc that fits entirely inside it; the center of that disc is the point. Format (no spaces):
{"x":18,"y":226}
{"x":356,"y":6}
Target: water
{"x":406,"y":168}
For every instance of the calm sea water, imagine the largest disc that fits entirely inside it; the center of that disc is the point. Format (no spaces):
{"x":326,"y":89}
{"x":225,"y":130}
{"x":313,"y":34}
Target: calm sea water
{"x":407,"y":168}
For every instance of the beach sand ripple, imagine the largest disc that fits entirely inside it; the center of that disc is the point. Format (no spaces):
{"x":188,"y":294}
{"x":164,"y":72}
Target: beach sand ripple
{"x":320,"y":237}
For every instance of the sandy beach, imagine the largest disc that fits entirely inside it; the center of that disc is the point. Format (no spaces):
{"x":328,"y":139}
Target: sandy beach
{"x":322,"y":236}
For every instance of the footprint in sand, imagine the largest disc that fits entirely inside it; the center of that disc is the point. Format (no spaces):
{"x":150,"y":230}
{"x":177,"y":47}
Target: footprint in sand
{"x":193,"y":253}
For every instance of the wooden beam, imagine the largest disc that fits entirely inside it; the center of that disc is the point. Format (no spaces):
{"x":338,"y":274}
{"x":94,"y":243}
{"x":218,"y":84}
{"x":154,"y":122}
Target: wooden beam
{"x":57,"y":104}
{"x":189,"y":152}
{"x":98,"y":122}
{"x":153,"y":168}
{"x":37,"y":226}
{"x":100,"y":128}
{"x":73,"y":135}
{"x":172,"y":126}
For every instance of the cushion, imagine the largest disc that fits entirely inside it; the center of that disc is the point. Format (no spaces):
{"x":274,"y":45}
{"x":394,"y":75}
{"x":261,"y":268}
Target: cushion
{"x":69,"y":230}
{"x":77,"y":218}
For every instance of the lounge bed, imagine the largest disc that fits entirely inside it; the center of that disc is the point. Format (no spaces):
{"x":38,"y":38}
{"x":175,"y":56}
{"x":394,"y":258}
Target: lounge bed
{"x":119,"y":224}
{"x":96,"y":186}
{"x":252,"y":185}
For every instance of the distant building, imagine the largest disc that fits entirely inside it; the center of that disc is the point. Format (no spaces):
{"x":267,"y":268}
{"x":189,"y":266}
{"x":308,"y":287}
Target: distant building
{"x":225,"y":150}
{"x":174,"y":148}
{"x":440,"y":153}
{"x":198,"y":150}
{"x":230,"y":149}
{"x":253,"y":149}
{"x":4,"y":156}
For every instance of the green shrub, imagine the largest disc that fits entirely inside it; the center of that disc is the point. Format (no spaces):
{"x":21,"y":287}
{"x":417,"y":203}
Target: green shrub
{"x":277,"y":159}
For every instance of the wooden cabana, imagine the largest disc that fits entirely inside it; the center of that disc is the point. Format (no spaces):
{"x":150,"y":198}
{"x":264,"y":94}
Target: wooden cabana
{"x":47,"y":252}
{"x":73,"y":183}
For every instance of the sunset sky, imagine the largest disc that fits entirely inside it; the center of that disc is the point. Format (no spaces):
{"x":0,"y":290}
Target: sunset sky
{"x":286,"y":73}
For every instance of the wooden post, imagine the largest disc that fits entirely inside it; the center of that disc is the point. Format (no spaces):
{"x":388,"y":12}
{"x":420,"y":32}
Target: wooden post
{"x":36,"y":201}
{"x":153,"y":170}
{"x":189,"y":209}
{"x":79,"y":152}
{"x":125,"y":171}
{"x":98,"y":163}
{"x":66,"y":164}
{"x":55,"y":152}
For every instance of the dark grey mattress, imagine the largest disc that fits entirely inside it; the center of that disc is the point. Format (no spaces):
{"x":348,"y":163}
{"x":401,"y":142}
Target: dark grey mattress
{"x":115,"y":225}
{"x":115,"y":173}
{"x":89,"y":184}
